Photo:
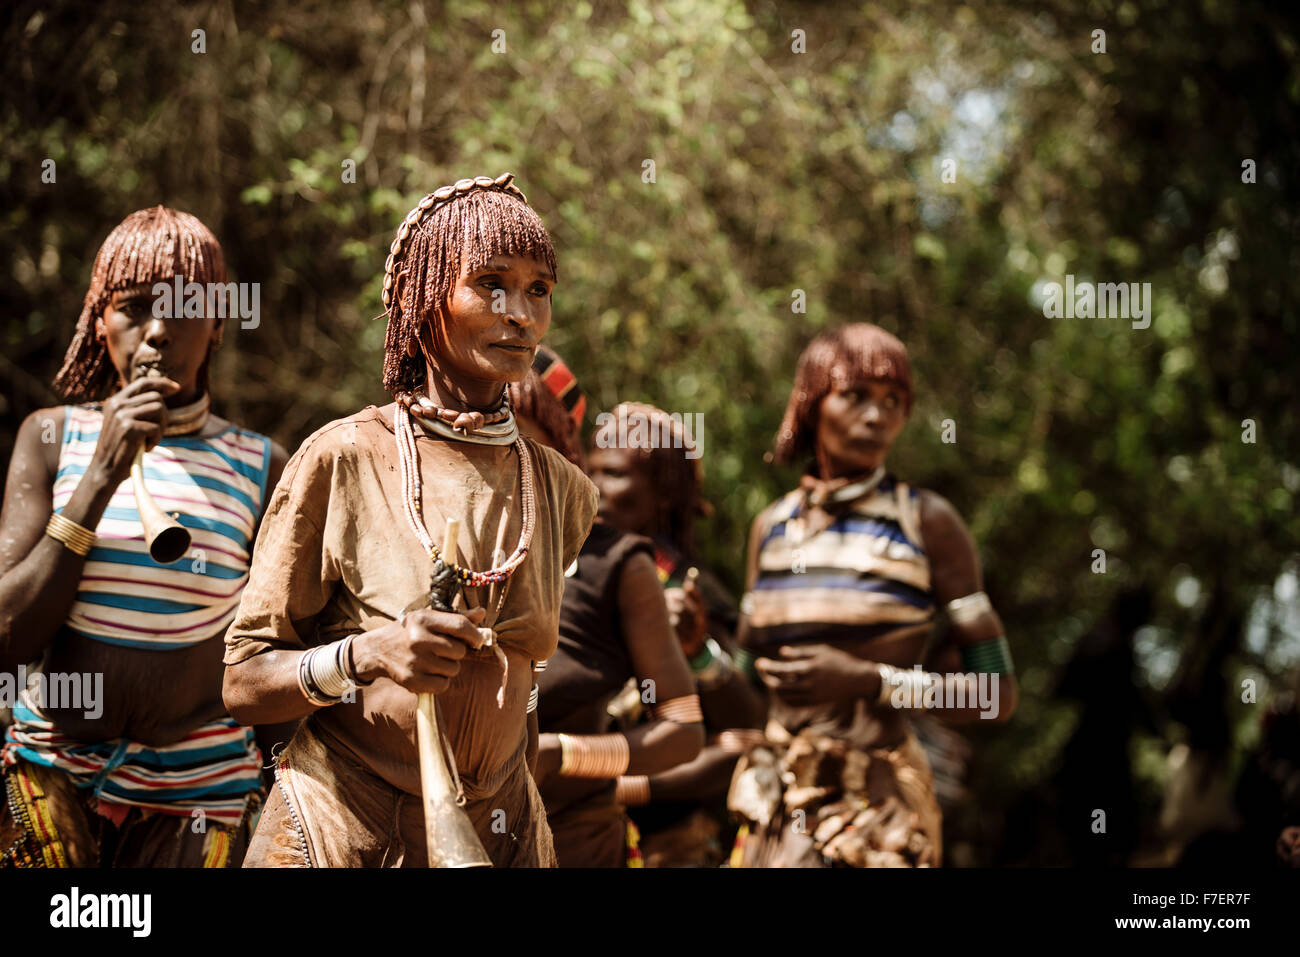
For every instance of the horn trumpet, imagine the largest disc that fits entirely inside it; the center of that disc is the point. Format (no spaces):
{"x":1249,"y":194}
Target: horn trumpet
{"x":448,"y":833}
{"x":167,"y":538}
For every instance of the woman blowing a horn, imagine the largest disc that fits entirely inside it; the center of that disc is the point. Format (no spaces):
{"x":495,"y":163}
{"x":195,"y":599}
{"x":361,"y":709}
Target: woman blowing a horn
{"x":147,"y":769}
{"x":354,"y":533}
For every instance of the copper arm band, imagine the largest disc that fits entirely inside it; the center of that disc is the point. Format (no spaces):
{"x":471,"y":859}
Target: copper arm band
{"x":632,"y":790}
{"x":683,"y":710}
{"x":593,"y":755}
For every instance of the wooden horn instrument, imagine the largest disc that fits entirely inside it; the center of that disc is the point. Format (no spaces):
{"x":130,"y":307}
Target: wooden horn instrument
{"x":448,"y":833}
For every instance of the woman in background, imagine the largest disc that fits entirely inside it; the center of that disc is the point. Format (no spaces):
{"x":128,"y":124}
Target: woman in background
{"x":153,"y":773}
{"x":613,"y":627}
{"x":845,"y":574}
{"x":654,"y":489}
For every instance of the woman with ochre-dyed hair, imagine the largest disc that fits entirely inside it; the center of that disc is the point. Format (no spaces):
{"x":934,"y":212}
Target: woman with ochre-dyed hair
{"x":613,"y":627}
{"x":154,"y":773}
{"x":648,"y":470}
{"x":845,"y":575}
{"x":354,"y":533}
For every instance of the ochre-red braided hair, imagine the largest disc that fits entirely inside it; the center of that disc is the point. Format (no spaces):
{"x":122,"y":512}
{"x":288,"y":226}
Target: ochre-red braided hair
{"x":149,"y":246}
{"x":678,"y":480}
{"x":455,"y":230}
{"x":530,"y":397}
{"x":836,"y":360}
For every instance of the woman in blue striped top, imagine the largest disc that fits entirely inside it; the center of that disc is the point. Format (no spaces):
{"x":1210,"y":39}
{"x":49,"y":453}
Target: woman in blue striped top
{"x":845,"y":575}
{"x":114,"y":659}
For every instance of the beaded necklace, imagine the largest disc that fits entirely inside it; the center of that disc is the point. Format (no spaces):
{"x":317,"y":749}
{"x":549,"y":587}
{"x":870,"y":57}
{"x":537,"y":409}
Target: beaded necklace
{"x":412,"y":499}
{"x":490,"y":428}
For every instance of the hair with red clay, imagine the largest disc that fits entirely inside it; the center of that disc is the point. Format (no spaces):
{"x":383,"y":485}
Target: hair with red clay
{"x":835,"y":360}
{"x":678,"y":480}
{"x":149,"y":246}
{"x":530,"y":397}
{"x":456,"y":238}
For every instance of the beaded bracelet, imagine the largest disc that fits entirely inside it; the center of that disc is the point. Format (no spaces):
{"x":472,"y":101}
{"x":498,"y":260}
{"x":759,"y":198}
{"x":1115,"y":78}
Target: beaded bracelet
{"x":712,"y":667}
{"x":992,"y":656}
{"x":744,"y":662}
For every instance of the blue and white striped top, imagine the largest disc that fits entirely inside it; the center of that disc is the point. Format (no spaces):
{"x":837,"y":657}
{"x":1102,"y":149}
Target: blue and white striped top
{"x":217,"y":484}
{"x":863,"y":576}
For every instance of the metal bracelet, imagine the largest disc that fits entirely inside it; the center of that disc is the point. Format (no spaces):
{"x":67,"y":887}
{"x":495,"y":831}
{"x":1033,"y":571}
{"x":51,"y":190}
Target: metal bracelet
{"x":323,"y":672}
{"x":967,"y":609}
{"x":75,"y":538}
{"x":717,"y":670}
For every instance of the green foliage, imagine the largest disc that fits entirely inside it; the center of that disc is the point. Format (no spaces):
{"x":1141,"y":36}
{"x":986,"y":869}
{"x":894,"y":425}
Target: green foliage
{"x":774,"y":171}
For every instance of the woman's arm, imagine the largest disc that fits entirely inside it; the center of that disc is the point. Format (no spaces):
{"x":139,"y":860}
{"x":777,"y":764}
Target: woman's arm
{"x":272,"y":737}
{"x":422,"y":653}
{"x":531,"y":749}
{"x":727,"y":697}
{"x":958,"y":585}
{"x":39,"y":575}
{"x":705,"y":779}
{"x":745,"y":655}
{"x":290,"y":580}
{"x":661,"y":670}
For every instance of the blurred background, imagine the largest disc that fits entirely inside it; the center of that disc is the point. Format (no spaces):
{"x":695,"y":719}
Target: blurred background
{"x":1161,"y":690}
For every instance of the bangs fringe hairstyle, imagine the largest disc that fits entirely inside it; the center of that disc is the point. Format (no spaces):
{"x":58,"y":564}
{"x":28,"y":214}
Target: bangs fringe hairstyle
{"x":530,"y":397}
{"x":678,"y":480}
{"x":835,"y":360}
{"x":458,"y":237}
{"x":149,"y":246}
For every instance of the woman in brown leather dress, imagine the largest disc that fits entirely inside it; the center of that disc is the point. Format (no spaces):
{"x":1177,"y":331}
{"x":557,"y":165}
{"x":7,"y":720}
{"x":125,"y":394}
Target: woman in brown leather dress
{"x":351,"y":540}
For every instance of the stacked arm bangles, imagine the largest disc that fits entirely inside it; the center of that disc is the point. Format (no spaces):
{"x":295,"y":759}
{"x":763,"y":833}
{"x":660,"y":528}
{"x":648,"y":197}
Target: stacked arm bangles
{"x":608,"y":755}
{"x":75,"y":538}
{"x":326,"y":673}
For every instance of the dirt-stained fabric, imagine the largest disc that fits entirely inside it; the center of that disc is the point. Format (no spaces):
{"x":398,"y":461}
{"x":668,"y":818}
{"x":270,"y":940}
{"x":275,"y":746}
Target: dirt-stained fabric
{"x":336,"y":556}
{"x":817,"y":801}
{"x":328,"y":811}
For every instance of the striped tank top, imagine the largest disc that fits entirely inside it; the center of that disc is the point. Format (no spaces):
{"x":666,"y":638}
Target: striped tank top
{"x":214,"y":769}
{"x":217,"y":485}
{"x":864,"y":575}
